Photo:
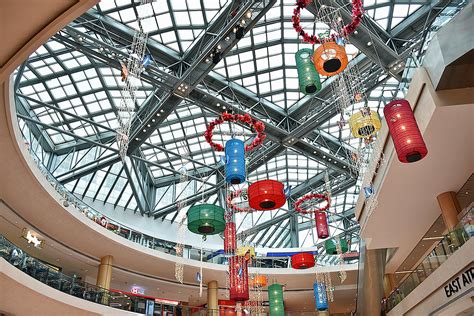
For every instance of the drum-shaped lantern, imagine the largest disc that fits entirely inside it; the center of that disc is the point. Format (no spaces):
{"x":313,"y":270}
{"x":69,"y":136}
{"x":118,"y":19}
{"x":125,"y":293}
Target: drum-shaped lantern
{"x":259,"y":281}
{"x":307,"y":75}
{"x":364,"y":123}
{"x":230,"y":238}
{"x":275,"y":298}
{"x":238,"y":279}
{"x":206,"y":219}
{"x":330,"y":59}
{"x":406,"y":135}
{"x":235,"y":161}
{"x":320,"y":296}
{"x":302,"y":260}
{"x":331,"y":246}
{"x":322,"y":227}
{"x":266,"y":195}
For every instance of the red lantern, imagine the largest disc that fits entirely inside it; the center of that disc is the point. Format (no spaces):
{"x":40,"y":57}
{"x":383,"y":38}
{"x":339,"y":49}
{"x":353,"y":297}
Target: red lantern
{"x":406,"y":135}
{"x":303,"y":260}
{"x":322,"y":225}
{"x":230,"y":239}
{"x":238,"y":279}
{"x":266,"y":195}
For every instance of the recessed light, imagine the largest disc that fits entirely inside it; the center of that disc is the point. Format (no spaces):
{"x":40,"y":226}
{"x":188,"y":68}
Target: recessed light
{"x":369,"y":43}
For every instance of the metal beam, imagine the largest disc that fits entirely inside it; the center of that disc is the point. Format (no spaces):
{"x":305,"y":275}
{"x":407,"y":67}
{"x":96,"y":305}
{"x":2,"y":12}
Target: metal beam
{"x":88,"y":168}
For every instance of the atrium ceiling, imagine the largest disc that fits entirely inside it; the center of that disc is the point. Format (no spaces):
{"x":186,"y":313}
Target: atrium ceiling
{"x":68,"y":92}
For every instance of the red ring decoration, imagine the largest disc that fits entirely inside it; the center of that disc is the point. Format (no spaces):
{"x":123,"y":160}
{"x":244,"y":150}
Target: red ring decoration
{"x":302,"y":260}
{"x":311,"y":197}
{"x":235,"y":194}
{"x":257,"y":126}
{"x":357,"y":12}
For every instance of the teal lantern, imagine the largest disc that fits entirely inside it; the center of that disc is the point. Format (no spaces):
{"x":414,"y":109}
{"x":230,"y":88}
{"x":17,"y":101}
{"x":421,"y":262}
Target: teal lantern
{"x":307,"y":74}
{"x":206,"y":219}
{"x":275,"y":298}
{"x":331,"y":246}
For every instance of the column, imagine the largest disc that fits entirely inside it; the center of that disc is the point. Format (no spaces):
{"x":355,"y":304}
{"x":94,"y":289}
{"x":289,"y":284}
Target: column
{"x":212,"y":303}
{"x":450,"y":209}
{"x":104,"y":276}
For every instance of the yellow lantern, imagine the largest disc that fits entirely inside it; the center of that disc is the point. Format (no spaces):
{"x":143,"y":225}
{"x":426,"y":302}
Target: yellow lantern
{"x":365,"y":123}
{"x":246,"y":251}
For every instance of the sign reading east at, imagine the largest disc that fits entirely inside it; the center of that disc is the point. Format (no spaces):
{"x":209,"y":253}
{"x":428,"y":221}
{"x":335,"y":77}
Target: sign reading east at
{"x":459,"y":283}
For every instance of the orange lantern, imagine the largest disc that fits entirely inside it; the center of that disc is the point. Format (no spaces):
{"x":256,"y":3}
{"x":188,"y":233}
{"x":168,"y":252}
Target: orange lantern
{"x":259,"y":281}
{"x":330,"y":59}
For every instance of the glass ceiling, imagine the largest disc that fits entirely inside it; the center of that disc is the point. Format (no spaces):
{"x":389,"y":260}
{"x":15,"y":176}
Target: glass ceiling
{"x":73,"y":96}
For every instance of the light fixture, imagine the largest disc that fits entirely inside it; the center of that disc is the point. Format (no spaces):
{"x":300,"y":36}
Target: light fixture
{"x":31,"y":238}
{"x":369,"y":43}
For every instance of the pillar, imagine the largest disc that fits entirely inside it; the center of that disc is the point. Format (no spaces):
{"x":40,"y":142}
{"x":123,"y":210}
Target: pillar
{"x":212,"y":302}
{"x":104,"y":276}
{"x":371,"y":280}
{"x":450,"y":208}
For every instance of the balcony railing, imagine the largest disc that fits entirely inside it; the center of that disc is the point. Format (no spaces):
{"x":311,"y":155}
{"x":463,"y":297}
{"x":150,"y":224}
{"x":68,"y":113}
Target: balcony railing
{"x":443,"y":250}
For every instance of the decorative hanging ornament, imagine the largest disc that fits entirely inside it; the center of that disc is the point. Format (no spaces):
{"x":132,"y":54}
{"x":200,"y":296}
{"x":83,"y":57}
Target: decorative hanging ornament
{"x":313,"y":196}
{"x":241,"y":193}
{"x":230,"y":238}
{"x":320,"y":296}
{"x":357,"y":13}
{"x":266,"y":195}
{"x":275,"y":298}
{"x":322,"y":227}
{"x":331,"y":246}
{"x":330,"y":59}
{"x":302,"y":260}
{"x":365,"y":123}
{"x":256,"y":125}
{"x":259,"y":281}
{"x":308,"y":76}
{"x":404,"y":130}
{"x":238,"y":279}
{"x":235,"y":161}
{"x":206,"y":219}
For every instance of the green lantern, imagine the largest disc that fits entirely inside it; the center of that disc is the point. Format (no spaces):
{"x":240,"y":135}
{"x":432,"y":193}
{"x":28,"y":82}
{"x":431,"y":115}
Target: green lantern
{"x":206,"y":219}
{"x":275,"y":298}
{"x":330,"y":246}
{"x":307,"y":74}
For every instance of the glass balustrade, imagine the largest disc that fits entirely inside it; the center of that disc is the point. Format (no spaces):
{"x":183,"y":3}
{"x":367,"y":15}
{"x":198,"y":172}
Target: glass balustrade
{"x":442,"y":251}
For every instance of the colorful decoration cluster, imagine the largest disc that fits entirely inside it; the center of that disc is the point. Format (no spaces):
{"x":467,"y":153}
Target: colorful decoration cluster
{"x":357,"y":13}
{"x":256,"y":125}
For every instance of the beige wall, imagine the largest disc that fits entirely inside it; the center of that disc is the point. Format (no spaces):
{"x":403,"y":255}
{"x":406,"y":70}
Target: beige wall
{"x":21,"y":294}
{"x":429,"y":297}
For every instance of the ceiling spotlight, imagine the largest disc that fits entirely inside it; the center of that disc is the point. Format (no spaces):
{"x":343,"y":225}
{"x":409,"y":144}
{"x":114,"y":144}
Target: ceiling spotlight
{"x":148,"y":125}
{"x":223,"y":107}
{"x":219,"y":47}
{"x":218,"y":104}
{"x":242,"y":22}
{"x":248,"y":14}
{"x":158,"y":114}
{"x":369,"y":43}
{"x":161,"y":110}
{"x":356,"y":32}
{"x":339,"y":19}
{"x":153,"y":120}
{"x":144,"y":131}
{"x":227,"y":38}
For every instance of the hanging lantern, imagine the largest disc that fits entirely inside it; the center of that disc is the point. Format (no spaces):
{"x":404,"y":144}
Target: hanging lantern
{"x":206,"y":219}
{"x":259,"y":281}
{"x":307,"y":74}
{"x":303,"y":260}
{"x":235,"y":161}
{"x":322,"y":227}
{"x":275,"y":298}
{"x":266,"y":195}
{"x":238,"y":279}
{"x":331,"y":246}
{"x":330,"y":59}
{"x":320,"y":296}
{"x":364,"y":123}
{"x":230,"y":238}
{"x":406,"y":135}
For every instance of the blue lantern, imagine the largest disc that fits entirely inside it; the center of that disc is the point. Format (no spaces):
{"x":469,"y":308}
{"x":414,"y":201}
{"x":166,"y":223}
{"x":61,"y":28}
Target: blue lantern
{"x":235,"y":161}
{"x":320,"y":296}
